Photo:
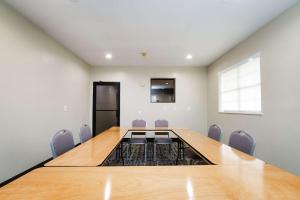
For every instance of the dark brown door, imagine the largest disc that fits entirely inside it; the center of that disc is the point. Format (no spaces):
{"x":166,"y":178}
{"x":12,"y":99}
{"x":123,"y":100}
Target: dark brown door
{"x":106,"y":106}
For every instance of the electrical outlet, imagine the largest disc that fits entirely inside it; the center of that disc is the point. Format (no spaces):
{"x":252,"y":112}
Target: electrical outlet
{"x":65,"y":108}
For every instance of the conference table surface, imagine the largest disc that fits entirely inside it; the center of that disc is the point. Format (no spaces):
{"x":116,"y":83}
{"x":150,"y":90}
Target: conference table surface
{"x":95,"y":151}
{"x":160,"y":182}
{"x":234,"y":175}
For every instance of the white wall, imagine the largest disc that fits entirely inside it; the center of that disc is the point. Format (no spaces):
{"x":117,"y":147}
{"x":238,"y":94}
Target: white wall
{"x":189,"y":111}
{"x":37,"y":78}
{"x":277,"y":131}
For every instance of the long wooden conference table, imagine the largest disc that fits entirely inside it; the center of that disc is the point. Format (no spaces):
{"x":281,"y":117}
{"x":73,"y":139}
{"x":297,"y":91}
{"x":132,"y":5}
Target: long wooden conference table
{"x":77,"y":174}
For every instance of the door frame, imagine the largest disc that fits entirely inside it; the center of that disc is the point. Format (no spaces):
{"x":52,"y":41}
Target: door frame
{"x":95,"y":84}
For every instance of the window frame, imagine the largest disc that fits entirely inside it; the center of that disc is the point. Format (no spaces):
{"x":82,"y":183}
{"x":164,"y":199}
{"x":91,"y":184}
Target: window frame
{"x":237,"y":65}
{"x":151,"y":92}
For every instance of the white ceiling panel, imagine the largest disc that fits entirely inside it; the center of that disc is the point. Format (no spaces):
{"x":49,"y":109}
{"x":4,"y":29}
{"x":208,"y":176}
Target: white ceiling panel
{"x":167,"y":30}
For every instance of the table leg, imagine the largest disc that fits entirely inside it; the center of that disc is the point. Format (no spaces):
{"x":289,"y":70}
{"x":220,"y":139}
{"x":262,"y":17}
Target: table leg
{"x":154,"y":151}
{"x":145,"y":152}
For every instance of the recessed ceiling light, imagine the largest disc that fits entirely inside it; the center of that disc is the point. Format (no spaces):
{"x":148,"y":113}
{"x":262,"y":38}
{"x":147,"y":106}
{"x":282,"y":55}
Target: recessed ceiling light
{"x":108,"y":56}
{"x":189,"y":56}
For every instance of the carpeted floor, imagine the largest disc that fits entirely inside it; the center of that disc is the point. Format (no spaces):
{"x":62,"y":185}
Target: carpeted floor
{"x":164,"y":156}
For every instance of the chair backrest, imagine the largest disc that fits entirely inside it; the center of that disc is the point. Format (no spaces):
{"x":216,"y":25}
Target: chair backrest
{"x":85,"y":133}
{"x":214,"y":132}
{"x":61,"y":142}
{"x":242,"y":141}
{"x":161,"y":123}
{"x":139,"y":123}
{"x":138,"y":134}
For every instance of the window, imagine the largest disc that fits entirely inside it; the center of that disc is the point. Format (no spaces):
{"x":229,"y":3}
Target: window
{"x":240,"y":89}
{"x":162,"y":90}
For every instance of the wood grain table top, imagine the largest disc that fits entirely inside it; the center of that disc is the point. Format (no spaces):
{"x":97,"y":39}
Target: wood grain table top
{"x":216,"y":152}
{"x":159,"y":182}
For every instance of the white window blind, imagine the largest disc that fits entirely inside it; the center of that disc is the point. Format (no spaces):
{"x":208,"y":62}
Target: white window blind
{"x":240,"y":89}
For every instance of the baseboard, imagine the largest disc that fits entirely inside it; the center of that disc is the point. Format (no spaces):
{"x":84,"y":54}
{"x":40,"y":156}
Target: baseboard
{"x":25,"y":172}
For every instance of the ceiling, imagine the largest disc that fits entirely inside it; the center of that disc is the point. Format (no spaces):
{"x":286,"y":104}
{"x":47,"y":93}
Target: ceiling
{"x":167,"y":30}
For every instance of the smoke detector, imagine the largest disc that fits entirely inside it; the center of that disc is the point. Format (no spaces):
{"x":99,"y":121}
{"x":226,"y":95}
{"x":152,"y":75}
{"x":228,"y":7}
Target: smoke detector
{"x":143,"y":54}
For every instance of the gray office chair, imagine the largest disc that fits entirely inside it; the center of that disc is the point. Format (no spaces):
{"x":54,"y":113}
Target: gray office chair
{"x":140,"y":140}
{"x":85,"y":133}
{"x":61,"y":142}
{"x":214,"y":132}
{"x":161,"y":124}
{"x":242,"y":141}
{"x":164,"y":137}
{"x":139,"y":123}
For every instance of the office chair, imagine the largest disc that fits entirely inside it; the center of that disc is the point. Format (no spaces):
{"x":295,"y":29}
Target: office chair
{"x":214,"y":132}
{"x":138,"y":140}
{"x":61,"y":142}
{"x":242,"y":141}
{"x":161,"y":140}
{"x":85,"y":133}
